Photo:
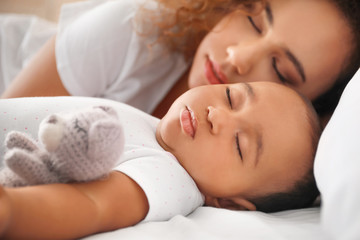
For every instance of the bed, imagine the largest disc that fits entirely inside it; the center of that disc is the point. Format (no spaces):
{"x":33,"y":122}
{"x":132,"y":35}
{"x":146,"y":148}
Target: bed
{"x":337,"y":171}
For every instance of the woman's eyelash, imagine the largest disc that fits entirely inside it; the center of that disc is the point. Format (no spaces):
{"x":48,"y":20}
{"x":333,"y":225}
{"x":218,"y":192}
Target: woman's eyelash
{"x":274,"y":64}
{"x":251,"y":20}
{"x":228,"y":96}
{"x":238,"y":146}
{"x":280,"y":76}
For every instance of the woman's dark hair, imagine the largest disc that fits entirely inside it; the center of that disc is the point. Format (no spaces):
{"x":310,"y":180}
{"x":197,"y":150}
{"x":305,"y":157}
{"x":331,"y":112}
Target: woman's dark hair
{"x":326,"y":103}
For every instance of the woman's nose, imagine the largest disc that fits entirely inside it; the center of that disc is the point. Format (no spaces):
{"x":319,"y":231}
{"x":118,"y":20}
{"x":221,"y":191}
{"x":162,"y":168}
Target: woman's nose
{"x":217,"y":118}
{"x":244,"y":56}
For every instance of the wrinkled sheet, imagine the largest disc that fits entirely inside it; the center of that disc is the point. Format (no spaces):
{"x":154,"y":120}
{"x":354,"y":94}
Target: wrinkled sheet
{"x":211,"y":223}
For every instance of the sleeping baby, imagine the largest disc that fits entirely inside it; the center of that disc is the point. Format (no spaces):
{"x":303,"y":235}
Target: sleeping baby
{"x":247,"y":146}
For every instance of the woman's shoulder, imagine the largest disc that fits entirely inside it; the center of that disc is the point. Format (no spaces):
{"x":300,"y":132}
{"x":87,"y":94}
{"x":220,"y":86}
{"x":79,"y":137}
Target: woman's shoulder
{"x":102,"y":9}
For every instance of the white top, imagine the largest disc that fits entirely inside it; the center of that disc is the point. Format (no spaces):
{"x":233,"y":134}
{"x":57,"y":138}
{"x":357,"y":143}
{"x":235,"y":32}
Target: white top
{"x":21,"y":36}
{"x":100,"y":53}
{"x":168,"y":187}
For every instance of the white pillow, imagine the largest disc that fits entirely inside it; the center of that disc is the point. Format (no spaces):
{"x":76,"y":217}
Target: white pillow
{"x":337,"y":167}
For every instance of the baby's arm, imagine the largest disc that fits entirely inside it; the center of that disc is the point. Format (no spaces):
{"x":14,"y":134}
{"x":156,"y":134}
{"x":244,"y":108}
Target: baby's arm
{"x":70,"y":211}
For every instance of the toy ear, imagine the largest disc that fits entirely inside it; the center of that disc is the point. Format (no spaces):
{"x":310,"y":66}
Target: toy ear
{"x":20,"y":140}
{"x":110,"y":110}
{"x":106,"y":142}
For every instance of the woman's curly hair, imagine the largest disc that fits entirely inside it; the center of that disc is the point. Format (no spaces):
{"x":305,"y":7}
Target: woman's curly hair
{"x":182,"y":24}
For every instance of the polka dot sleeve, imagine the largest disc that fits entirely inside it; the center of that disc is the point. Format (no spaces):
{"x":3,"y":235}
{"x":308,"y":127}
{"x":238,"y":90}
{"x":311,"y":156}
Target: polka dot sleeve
{"x":168,"y":187}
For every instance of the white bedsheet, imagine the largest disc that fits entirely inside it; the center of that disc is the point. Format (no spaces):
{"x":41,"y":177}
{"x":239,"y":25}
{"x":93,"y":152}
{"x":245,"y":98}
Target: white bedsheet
{"x":211,"y":223}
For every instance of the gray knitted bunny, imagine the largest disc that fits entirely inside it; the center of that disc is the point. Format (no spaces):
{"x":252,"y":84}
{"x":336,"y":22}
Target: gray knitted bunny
{"x":78,"y":146}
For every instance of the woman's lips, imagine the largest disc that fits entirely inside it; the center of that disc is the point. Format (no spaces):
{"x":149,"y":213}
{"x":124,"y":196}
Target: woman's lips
{"x":213,"y":73}
{"x":188,"y":122}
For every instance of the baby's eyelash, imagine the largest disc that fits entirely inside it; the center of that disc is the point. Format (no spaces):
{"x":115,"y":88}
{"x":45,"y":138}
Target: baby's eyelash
{"x":238,"y":146}
{"x":228,"y":96}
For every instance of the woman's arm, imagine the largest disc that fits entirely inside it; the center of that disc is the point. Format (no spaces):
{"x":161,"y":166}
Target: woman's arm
{"x":71,"y":211}
{"x":40,"y":77}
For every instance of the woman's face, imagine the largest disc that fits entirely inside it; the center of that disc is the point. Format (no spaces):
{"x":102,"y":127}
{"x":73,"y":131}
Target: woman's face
{"x":302,"y":44}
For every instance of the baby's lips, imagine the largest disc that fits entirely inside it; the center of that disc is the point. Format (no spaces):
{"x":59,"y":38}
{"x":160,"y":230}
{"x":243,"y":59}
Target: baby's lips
{"x":187,"y":122}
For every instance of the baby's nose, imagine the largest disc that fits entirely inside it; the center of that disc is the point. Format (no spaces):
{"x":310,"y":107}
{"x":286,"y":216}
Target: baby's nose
{"x":218,"y":118}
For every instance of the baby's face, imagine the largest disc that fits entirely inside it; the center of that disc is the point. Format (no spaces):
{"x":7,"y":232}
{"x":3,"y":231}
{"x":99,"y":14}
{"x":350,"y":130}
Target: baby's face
{"x":238,"y":141}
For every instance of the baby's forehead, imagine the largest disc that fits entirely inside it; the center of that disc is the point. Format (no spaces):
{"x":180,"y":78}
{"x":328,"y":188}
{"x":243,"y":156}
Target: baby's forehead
{"x":298,"y":125}
{"x":272,"y":86}
{"x":272,"y":90}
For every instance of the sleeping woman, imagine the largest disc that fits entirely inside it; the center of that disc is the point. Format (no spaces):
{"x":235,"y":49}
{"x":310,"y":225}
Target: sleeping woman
{"x":147,"y":53}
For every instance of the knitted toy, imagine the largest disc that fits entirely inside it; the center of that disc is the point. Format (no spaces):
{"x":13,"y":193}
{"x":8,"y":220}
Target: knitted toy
{"x":73,"y":147}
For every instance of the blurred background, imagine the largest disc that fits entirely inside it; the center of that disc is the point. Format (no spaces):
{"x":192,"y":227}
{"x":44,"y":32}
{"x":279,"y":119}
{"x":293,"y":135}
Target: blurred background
{"x":48,"y":9}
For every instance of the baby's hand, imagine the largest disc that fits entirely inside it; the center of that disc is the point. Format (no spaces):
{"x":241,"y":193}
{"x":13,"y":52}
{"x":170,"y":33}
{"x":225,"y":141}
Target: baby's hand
{"x":4,"y":211}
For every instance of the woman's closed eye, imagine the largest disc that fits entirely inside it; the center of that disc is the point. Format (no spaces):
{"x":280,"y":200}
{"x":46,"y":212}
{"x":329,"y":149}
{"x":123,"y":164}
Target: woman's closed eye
{"x":273,"y":60}
{"x":257,"y":29}
{"x":277,"y":71}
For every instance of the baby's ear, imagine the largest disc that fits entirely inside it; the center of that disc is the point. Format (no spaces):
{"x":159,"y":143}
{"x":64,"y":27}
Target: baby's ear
{"x":236,"y":203}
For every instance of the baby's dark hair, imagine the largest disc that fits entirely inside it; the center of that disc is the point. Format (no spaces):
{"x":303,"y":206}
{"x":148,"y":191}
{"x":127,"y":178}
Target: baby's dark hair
{"x":304,"y":192}
{"x":301,"y":195}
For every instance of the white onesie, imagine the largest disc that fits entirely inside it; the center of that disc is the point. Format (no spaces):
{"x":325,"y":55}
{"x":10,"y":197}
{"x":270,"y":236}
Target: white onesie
{"x":99,"y":52}
{"x":168,"y":187}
